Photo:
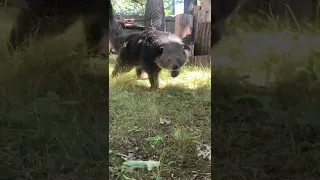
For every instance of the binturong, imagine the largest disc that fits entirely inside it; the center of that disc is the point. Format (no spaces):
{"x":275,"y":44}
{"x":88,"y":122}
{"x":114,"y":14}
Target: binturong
{"x":151,"y":51}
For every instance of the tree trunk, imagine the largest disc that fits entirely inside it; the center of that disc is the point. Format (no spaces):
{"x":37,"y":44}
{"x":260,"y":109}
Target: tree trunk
{"x":154,"y":15}
{"x":173,"y":7}
{"x":187,"y":4}
{"x":184,"y":26}
{"x":203,"y":43}
{"x":154,"y":18}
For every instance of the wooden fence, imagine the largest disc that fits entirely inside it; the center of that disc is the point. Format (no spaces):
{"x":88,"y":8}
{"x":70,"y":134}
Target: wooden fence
{"x":170,"y":23}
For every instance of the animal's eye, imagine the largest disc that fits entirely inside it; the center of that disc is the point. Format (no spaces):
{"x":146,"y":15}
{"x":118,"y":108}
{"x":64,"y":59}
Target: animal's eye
{"x":161,"y":49}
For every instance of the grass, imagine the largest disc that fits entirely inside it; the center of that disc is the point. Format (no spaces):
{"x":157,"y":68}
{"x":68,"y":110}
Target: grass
{"x":53,"y":112}
{"x":54,"y":115}
{"x":167,"y":125}
{"x":265,"y":88}
{"x":265,"y":114}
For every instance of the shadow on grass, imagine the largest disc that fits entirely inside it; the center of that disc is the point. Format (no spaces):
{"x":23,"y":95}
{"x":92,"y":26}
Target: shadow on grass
{"x":53,"y":117}
{"x":266,"y":102}
{"x":269,"y":132}
{"x":177,"y":113}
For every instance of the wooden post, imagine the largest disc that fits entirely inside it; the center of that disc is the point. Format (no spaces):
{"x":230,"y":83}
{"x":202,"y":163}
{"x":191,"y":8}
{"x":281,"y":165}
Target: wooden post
{"x":184,"y":26}
{"x":203,"y":43}
{"x":205,"y":4}
{"x":170,"y":24}
{"x":200,"y":15}
{"x":204,"y":61}
{"x":192,"y":50}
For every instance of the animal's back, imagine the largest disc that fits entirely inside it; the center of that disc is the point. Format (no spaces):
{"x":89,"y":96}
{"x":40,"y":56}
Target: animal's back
{"x":130,"y":48}
{"x":156,"y":37}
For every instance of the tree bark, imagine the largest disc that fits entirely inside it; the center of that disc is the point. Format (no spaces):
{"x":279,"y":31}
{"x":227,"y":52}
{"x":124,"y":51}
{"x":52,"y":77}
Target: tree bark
{"x":154,"y":15}
{"x":154,"y":18}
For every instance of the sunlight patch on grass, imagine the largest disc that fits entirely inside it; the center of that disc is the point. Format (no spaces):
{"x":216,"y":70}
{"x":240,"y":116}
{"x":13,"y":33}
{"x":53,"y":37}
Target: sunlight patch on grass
{"x":178,"y":113}
{"x":190,"y":77}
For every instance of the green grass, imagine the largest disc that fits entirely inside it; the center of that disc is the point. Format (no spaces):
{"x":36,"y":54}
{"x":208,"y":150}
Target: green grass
{"x":53,"y":116}
{"x":167,"y":125}
{"x":53,"y":111}
{"x":265,"y":110}
{"x":53,"y":104}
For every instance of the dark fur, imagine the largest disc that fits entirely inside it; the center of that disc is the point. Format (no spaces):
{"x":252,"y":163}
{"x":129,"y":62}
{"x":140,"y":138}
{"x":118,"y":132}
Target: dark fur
{"x":150,"y":51}
{"x":52,"y":17}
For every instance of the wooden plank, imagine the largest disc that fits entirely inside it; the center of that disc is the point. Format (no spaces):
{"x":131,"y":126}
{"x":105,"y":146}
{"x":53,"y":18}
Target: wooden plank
{"x":200,"y":15}
{"x":203,"y":43}
{"x":184,"y":26}
{"x":205,"y":3}
{"x":192,"y":50}
{"x":201,"y":61}
{"x":170,"y":26}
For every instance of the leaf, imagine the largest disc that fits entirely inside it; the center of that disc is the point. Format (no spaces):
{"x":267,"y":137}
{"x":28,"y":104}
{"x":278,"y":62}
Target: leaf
{"x":127,"y":178}
{"x":178,"y":134}
{"x":142,"y":164}
{"x":154,"y":139}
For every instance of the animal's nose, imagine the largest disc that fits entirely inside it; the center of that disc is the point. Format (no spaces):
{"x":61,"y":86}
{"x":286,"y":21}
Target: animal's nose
{"x":175,"y":67}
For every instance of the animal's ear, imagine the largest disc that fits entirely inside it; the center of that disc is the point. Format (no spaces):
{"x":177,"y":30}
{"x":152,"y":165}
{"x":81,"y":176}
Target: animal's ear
{"x":186,"y":50}
{"x":186,"y":47}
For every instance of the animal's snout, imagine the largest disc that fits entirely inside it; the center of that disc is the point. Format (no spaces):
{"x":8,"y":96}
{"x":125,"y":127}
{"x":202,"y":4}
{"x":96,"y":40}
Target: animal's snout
{"x":175,"y":67}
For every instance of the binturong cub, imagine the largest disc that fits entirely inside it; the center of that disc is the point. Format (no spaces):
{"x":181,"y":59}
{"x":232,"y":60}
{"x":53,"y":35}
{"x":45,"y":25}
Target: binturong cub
{"x":152,"y":51}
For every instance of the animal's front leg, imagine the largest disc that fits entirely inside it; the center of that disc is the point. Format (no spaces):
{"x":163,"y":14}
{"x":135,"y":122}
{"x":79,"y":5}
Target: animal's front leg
{"x":141,"y":74}
{"x":154,"y":79}
{"x":121,"y":67}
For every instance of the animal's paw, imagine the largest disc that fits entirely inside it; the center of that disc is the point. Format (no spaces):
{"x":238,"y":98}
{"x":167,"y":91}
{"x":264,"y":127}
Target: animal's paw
{"x":143,"y":76}
{"x":154,"y":88}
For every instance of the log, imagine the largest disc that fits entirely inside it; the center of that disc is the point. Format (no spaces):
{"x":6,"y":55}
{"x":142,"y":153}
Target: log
{"x":184,"y":26}
{"x":203,"y":43}
{"x":202,"y":61}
